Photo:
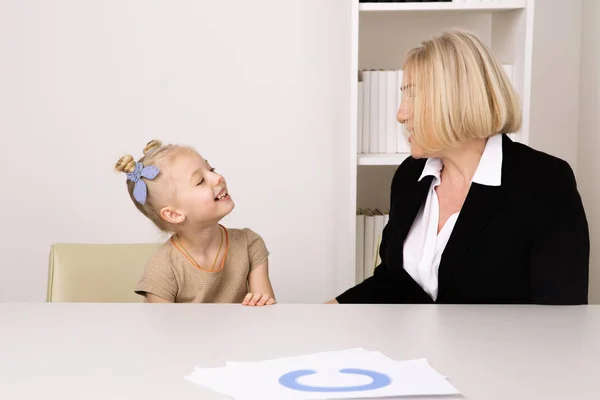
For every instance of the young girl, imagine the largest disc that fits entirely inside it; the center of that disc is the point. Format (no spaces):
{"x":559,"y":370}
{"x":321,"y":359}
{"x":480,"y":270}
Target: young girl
{"x":202,"y":262}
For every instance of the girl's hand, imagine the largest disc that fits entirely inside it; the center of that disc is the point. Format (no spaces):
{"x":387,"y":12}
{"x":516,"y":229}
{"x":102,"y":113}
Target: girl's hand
{"x":259,"y":285}
{"x":258,"y":299}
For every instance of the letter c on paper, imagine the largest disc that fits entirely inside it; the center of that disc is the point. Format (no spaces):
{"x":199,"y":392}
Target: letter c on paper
{"x":290,"y":380}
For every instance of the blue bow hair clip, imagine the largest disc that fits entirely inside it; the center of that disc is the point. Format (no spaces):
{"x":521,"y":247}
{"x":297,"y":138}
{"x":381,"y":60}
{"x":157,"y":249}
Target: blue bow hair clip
{"x":140,"y":190}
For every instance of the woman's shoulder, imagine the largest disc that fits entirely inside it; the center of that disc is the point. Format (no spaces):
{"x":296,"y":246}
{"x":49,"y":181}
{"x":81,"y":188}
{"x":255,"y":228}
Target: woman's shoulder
{"x":539,"y":168}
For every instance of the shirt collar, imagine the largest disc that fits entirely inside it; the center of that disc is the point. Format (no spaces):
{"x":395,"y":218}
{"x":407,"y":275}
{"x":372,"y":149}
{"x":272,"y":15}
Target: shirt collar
{"x":433,"y":167}
{"x":489,"y":170}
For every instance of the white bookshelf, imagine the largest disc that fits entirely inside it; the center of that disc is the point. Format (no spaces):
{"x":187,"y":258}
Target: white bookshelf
{"x":382,"y":159}
{"x":381,"y":35}
{"x":490,"y":5}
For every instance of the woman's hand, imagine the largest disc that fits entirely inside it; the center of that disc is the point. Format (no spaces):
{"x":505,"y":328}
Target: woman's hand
{"x":258,"y":299}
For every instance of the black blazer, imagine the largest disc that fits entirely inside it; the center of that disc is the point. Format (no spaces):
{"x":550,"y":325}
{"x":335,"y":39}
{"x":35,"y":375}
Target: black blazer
{"x":524,"y":242}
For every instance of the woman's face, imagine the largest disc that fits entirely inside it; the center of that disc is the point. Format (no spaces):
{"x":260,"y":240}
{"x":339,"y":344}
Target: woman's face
{"x":406,"y":113}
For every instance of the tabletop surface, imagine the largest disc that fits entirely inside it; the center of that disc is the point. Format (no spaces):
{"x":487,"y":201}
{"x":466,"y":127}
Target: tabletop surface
{"x":144,"y":351}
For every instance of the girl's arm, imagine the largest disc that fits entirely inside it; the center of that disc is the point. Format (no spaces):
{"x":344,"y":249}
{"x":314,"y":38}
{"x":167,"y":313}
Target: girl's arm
{"x":261,"y":291}
{"x":152,"y":298}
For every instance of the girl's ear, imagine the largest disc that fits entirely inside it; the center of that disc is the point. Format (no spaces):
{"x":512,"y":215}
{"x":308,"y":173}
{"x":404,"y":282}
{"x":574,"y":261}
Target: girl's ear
{"x":172,"y":215}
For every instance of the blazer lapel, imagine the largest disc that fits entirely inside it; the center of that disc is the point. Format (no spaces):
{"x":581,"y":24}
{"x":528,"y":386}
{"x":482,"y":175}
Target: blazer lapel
{"x":407,"y":208}
{"x":479,"y":206}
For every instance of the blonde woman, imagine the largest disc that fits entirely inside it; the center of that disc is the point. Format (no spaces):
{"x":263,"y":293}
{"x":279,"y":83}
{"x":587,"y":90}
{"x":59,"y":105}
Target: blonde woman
{"x":475,"y":217}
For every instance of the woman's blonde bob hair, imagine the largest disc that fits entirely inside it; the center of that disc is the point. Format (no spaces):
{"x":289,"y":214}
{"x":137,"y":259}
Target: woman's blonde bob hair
{"x":459,"y":91}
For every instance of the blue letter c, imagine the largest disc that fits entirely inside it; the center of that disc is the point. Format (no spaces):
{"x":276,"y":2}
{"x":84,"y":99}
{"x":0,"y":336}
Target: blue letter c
{"x":289,"y":380}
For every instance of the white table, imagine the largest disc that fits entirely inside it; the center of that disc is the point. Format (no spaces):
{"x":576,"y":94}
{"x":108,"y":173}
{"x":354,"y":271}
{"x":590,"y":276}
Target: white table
{"x":143,"y":351}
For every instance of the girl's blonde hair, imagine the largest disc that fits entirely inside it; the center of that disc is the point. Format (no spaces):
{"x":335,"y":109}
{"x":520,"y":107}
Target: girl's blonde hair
{"x":154,"y":155}
{"x":459,"y":92}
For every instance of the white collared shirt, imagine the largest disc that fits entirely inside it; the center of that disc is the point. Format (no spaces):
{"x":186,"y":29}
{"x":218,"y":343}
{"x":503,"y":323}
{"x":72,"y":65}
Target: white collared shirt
{"x":423,"y":246}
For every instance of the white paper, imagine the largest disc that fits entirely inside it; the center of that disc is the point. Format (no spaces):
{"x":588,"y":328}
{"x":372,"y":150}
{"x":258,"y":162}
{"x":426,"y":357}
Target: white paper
{"x":369,"y":374}
{"x":213,"y":378}
{"x":216,"y":379}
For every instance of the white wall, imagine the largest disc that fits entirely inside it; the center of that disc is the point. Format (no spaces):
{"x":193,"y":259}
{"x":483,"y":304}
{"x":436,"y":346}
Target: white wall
{"x":247,"y":83}
{"x":565,"y":111}
{"x":589,"y":134}
{"x":555,"y":78}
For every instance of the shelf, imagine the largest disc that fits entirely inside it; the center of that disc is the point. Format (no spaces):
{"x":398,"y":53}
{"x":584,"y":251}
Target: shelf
{"x":490,"y":5}
{"x":382,"y":159}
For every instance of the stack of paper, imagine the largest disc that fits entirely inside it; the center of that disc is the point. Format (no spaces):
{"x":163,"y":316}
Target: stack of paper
{"x":346,"y":374}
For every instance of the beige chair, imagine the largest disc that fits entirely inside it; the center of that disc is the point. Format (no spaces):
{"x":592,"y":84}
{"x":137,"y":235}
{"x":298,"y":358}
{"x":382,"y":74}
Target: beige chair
{"x":96,"y":272}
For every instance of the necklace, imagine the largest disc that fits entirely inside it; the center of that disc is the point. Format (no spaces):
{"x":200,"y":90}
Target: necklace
{"x":193,"y":261}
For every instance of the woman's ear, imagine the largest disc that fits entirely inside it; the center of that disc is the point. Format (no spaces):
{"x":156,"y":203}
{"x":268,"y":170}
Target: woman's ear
{"x":172,"y":215}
